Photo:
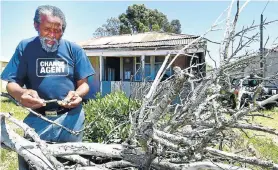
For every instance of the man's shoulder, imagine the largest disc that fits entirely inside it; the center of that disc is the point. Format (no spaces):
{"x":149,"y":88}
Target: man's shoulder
{"x":23,"y":43}
{"x":72,"y":45}
{"x":28,"y":40}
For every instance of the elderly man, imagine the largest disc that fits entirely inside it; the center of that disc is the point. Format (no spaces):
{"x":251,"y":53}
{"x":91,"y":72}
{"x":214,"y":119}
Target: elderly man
{"x":50,"y":68}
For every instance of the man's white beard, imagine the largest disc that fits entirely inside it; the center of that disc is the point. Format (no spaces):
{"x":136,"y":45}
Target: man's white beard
{"x":47,"y":47}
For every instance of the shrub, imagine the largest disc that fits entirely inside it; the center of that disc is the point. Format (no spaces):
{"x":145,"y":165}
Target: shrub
{"x":108,"y":118}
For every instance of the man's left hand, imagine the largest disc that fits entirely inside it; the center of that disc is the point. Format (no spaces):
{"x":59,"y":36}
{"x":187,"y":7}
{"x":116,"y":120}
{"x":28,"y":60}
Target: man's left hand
{"x":72,"y":100}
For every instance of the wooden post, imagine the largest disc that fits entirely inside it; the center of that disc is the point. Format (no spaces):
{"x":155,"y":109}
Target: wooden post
{"x":121,"y":68}
{"x":143,"y":67}
{"x":101,"y":72}
{"x":152,"y":67}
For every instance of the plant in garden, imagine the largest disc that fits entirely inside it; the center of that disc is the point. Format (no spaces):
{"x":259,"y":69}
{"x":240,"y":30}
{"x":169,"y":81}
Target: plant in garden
{"x":107,"y":118}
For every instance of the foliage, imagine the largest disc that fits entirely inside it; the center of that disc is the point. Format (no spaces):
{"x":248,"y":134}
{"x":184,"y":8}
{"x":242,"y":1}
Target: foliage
{"x":176,"y":26}
{"x":138,"y":19}
{"x":112,"y":27}
{"x":108,"y":118}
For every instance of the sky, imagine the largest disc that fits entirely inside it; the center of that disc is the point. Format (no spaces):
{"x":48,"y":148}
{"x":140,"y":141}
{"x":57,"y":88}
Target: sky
{"x":84,"y":17}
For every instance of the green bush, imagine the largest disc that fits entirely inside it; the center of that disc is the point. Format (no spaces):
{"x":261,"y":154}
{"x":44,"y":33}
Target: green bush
{"x":108,"y":118}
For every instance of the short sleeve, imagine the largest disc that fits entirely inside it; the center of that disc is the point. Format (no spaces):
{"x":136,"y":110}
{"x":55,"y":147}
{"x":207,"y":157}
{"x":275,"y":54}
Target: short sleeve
{"x":16,"y":69}
{"x":83,"y":67}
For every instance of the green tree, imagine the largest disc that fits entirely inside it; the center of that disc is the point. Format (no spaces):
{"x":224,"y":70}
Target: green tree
{"x":176,"y":25}
{"x":112,"y":27}
{"x":138,"y":19}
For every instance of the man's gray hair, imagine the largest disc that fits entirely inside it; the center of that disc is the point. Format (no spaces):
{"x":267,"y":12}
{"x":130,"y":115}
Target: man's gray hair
{"x":50,"y":10}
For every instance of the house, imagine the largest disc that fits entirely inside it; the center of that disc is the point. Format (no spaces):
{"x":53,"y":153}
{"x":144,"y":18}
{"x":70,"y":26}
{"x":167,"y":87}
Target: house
{"x":123,"y":60}
{"x":252,"y":65}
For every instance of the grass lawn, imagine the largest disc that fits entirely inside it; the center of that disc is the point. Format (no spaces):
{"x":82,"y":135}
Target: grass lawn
{"x":266,"y":121}
{"x":266,"y":144}
{"x":271,"y":123}
{"x":9,"y":158}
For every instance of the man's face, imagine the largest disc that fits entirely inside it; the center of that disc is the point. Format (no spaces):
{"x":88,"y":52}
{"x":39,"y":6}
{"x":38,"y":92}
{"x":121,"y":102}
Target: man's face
{"x":50,"y":32}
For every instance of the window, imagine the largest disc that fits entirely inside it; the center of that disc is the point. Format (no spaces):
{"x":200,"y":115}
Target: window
{"x":152,"y":66}
{"x":138,"y":68}
{"x":158,"y":63}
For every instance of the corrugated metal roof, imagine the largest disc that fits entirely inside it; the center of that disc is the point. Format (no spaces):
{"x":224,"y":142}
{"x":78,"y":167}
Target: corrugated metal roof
{"x":149,"y":39}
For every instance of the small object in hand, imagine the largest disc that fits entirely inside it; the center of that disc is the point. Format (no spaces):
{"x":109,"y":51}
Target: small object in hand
{"x":67,"y":101}
{"x":51,"y":101}
{"x":63,"y":102}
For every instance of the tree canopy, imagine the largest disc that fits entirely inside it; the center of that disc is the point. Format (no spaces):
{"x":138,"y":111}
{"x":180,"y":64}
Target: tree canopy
{"x":138,"y":19}
{"x":112,"y":27}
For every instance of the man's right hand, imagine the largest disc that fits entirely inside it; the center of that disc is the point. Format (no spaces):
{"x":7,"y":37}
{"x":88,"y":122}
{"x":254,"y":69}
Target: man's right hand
{"x":31,"y":99}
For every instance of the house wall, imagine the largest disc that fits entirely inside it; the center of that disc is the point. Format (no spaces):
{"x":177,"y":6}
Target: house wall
{"x":3,"y":84}
{"x":181,"y":62}
{"x":94,"y":82}
{"x":272,"y":66}
{"x":253,"y":66}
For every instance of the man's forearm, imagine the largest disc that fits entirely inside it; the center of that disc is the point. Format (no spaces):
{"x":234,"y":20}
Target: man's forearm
{"x":15,"y":90}
{"x":82,"y":88}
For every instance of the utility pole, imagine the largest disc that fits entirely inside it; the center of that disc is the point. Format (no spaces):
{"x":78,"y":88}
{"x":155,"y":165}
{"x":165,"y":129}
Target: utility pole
{"x":261,"y":47}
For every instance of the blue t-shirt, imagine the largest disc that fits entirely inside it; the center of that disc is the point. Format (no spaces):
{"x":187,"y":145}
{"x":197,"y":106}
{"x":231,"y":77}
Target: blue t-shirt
{"x":51,"y":74}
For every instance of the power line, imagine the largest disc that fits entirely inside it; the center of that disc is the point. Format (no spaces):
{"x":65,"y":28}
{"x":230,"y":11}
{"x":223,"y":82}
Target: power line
{"x":265,"y":6}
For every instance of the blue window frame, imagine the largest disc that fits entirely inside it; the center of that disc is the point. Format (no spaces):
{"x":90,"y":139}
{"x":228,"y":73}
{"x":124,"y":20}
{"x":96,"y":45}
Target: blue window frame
{"x":152,"y":65}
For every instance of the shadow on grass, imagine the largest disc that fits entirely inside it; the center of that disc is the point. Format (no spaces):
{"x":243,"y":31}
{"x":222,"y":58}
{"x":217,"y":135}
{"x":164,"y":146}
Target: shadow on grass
{"x":5,"y":100}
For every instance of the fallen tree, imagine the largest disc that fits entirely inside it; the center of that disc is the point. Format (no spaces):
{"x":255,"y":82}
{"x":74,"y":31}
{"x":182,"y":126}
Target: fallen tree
{"x":184,"y":122}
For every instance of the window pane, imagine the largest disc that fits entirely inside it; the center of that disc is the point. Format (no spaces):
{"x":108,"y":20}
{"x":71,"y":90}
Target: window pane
{"x":147,"y":70}
{"x":138,"y":72}
{"x":157,"y":67}
{"x":159,"y":59}
{"x":138,"y":59}
{"x":138,"y":76}
{"x":147,"y":59}
{"x":168,"y":72}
